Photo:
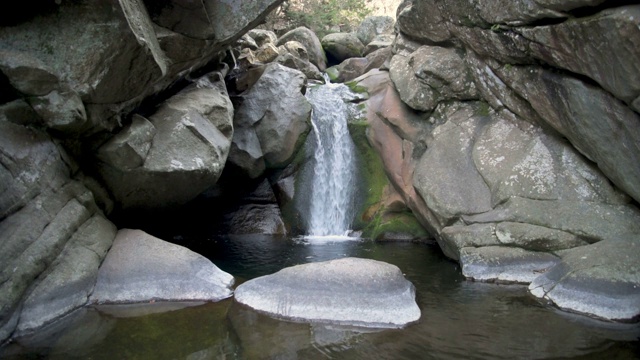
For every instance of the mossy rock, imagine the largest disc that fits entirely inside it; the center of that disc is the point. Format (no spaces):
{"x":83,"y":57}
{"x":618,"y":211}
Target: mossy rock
{"x":395,"y":226}
{"x":374,"y":179}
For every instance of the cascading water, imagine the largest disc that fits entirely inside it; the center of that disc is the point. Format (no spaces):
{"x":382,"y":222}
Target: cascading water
{"x":334,"y":165}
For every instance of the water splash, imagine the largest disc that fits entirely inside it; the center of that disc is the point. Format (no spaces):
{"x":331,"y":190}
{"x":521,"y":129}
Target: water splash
{"x":334,"y":166}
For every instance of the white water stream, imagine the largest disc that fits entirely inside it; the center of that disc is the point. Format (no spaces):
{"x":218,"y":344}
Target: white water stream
{"x":334,"y":165}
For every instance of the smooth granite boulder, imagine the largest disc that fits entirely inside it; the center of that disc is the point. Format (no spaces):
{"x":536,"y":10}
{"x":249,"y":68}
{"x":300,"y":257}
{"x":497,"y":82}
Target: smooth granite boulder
{"x":348,"y":291}
{"x":142,"y":268}
{"x":341,"y":46}
{"x":270,"y":121}
{"x":175,"y":154}
{"x":310,"y":41}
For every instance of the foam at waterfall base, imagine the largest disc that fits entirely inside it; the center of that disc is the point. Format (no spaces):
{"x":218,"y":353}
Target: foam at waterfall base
{"x":327,"y":239}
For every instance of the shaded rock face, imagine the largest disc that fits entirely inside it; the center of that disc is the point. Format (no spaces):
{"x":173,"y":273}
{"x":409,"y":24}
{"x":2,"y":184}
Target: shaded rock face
{"x":219,"y":20}
{"x":271,"y":121}
{"x":535,"y":167}
{"x":258,"y":213}
{"x":65,"y":106}
{"x":176,"y":154}
{"x":140,"y":268}
{"x":347,"y":291}
{"x":52,"y":235}
{"x":341,"y":46}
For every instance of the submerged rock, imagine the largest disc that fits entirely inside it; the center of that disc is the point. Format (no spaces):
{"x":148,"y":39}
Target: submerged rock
{"x":140,"y":268}
{"x":347,"y":291}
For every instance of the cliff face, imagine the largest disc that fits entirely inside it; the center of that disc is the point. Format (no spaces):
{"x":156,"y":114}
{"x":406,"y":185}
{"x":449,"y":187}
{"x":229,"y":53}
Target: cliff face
{"x":71,"y":72}
{"x":509,"y":131}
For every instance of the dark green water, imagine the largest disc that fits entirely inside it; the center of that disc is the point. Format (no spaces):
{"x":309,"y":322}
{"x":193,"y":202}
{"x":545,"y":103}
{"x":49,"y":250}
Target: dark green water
{"x":460,"y":319}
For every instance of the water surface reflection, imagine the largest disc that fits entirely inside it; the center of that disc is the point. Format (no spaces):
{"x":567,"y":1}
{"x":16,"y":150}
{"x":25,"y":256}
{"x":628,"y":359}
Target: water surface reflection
{"x":460,"y":319}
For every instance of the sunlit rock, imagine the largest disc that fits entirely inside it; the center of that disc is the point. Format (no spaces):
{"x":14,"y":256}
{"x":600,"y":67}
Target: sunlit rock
{"x":142,"y":268}
{"x":349,"y":291}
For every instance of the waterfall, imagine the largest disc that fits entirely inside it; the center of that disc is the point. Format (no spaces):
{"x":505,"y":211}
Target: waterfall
{"x":334,"y":165}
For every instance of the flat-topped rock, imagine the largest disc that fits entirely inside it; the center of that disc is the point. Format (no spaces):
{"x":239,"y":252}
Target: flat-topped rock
{"x":141,"y":268}
{"x":349,"y":291}
{"x":601,"y":280}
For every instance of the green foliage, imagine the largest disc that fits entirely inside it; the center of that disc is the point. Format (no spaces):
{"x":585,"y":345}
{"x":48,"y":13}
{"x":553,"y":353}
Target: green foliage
{"x":325,"y":16}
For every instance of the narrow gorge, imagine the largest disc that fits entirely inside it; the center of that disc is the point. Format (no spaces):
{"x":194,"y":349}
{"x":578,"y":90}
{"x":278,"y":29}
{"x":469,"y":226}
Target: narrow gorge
{"x":196,"y":180}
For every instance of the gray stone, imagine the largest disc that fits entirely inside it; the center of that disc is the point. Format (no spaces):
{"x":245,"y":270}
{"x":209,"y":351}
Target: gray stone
{"x":347,"y":291}
{"x":590,"y":220}
{"x":504,"y":264}
{"x":27,"y":74}
{"x":274,"y":116}
{"x":247,"y":41}
{"x":536,"y":238}
{"x":30,"y":162}
{"x":596,"y":123}
{"x":308,"y":69}
{"x":565,"y":5}
{"x":266,"y":53}
{"x":341,"y":46}
{"x":608,"y":54}
{"x":601,"y":280}
{"x":141,"y":268}
{"x":454,"y":238}
{"x":61,"y":110}
{"x":261,"y":36}
{"x":429,"y":75}
{"x":210,"y":19}
{"x":128,"y":149}
{"x":423,"y":21}
{"x":446,"y":177}
{"x":72,"y":278}
{"x":514,"y":12}
{"x":310,"y":41}
{"x":373,"y":26}
{"x":404,"y":46}
{"x":348,"y":69}
{"x":516,"y":158}
{"x":193,"y":131}
{"x":294,"y":48}
{"x":255,"y":219}
{"x":379,"y":42}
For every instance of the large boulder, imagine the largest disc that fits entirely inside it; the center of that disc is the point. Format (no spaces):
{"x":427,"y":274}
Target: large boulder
{"x":310,"y":41}
{"x":347,"y":291}
{"x":373,"y":26}
{"x":294,"y":55}
{"x":210,"y":19}
{"x":142,"y":268}
{"x":174,"y":155}
{"x":271,"y":121}
{"x":431,"y":74}
{"x":342,"y":46}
